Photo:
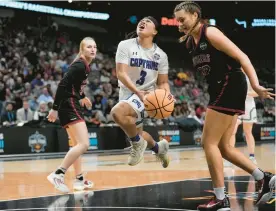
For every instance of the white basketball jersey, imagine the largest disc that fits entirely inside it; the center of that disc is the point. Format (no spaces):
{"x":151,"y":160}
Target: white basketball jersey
{"x":144,"y":64}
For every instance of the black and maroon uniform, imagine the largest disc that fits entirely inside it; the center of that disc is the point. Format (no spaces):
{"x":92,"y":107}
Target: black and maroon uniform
{"x":227,"y":83}
{"x":70,"y":92}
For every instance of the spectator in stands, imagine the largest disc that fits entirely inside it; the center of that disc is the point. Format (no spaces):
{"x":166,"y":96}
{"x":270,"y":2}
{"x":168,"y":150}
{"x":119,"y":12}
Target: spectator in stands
{"x":33,"y":102}
{"x":37,"y":81}
{"x":98,"y":108}
{"x":200,"y":111}
{"x":97,"y":104}
{"x":45,"y":97}
{"x":177,"y":111}
{"x":19,"y":86}
{"x":24,"y":114}
{"x":186,"y":110}
{"x":9,"y":116}
{"x":42,"y":111}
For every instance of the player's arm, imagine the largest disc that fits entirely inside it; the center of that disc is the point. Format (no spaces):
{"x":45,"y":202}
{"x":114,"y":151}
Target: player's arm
{"x":163,"y":79}
{"x":77,"y":74}
{"x":222,"y":43}
{"x":122,"y":61}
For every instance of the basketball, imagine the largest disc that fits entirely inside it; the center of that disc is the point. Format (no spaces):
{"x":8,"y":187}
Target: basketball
{"x":159,"y":104}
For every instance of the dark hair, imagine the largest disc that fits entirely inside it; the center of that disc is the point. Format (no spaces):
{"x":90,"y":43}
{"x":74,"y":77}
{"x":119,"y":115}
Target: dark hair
{"x":191,"y":7}
{"x":133,"y":33}
{"x":156,"y":24}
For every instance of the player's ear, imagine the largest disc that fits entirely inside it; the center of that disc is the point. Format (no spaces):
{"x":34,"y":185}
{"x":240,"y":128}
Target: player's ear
{"x":155,"y":32}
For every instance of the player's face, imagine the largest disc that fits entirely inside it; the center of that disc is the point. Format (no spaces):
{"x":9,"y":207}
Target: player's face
{"x":146,"y":28}
{"x":89,"y":49}
{"x":185,"y":20}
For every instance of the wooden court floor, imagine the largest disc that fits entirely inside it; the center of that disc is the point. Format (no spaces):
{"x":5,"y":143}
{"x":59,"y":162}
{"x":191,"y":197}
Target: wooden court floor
{"x":27,"y":178}
{"x":182,"y":186}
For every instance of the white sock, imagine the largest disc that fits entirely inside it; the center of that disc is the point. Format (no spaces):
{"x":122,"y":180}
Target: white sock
{"x":220,"y":193}
{"x":258,"y":174}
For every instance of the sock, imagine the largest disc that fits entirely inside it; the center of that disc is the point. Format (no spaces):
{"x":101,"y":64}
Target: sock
{"x":258,"y":174}
{"x":220,"y":193}
{"x":135,"y":138}
{"x":80,"y":177}
{"x":155,"y":148}
{"x":251,"y":155}
{"x":60,"y":170}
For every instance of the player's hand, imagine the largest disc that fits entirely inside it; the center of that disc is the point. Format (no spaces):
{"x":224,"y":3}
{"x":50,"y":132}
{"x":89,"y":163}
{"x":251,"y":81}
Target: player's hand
{"x":264,"y":93}
{"x":86,"y":102}
{"x":142,"y":94}
{"x":52,"y":116}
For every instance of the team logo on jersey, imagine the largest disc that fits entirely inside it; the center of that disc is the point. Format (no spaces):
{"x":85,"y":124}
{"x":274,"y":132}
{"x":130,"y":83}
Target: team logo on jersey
{"x":204,"y":70}
{"x":203,"y":45}
{"x":37,"y":142}
{"x":156,"y":56}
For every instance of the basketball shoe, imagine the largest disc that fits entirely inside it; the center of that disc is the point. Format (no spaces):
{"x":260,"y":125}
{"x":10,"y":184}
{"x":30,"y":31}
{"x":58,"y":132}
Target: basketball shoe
{"x":215,"y":204}
{"x":82,"y":184}
{"x":265,"y":188}
{"x":163,"y":147}
{"x":58,"y":181}
{"x":137,"y":151}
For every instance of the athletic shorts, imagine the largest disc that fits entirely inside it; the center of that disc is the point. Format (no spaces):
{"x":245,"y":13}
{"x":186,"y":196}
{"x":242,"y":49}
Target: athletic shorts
{"x":250,"y":115}
{"x":228,"y":95}
{"x":70,"y":112}
{"x":138,"y":106}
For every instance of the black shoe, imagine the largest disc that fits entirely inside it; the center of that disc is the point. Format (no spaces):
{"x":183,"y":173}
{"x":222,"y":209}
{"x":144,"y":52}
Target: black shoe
{"x":265,"y":188}
{"x":215,"y":204}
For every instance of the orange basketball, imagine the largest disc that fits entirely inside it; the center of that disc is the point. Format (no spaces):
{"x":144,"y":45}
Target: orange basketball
{"x":159,"y":104}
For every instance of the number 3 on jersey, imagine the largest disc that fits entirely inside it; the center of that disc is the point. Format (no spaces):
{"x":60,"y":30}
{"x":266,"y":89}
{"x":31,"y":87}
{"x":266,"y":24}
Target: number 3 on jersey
{"x":143,"y":75}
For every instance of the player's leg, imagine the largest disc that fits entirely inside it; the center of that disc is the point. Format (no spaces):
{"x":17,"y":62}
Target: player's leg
{"x":80,"y":132}
{"x":212,"y":133}
{"x":233,"y":142}
{"x":247,"y":128}
{"x":239,"y":159}
{"x":159,"y":148}
{"x":80,"y":183}
{"x":77,"y":163}
{"x":125,"y":114}
{"x":233,"y":136}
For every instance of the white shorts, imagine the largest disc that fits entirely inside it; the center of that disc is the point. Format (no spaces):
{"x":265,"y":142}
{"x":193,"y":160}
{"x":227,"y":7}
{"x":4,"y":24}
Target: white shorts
{"x":138,"y":106}
{"x":250,"y":115}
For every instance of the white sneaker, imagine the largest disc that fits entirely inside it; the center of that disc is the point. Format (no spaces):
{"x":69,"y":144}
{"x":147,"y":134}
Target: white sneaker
{"x":137,"y":152}
{"x":163,"y":147}
{"x":253,"y":159}
{"x":58,"y":181}
{"x":82,"y":184}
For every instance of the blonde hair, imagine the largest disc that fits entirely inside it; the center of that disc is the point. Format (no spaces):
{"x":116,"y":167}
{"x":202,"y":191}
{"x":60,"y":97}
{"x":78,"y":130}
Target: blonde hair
{"x":191,"y":7}
{"x":81,"y":48}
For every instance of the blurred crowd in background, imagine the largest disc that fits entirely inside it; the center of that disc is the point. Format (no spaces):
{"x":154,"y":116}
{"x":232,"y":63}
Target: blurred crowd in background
{"x":33,"y":59}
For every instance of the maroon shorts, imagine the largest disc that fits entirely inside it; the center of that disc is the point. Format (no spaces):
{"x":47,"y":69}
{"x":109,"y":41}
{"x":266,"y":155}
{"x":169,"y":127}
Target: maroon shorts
{"x":228,"y":95}
{"x":70,"y":112}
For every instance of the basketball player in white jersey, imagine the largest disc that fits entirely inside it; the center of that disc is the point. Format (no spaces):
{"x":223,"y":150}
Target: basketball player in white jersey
{"x":141,"y":67}
{"x":248,"y":119}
